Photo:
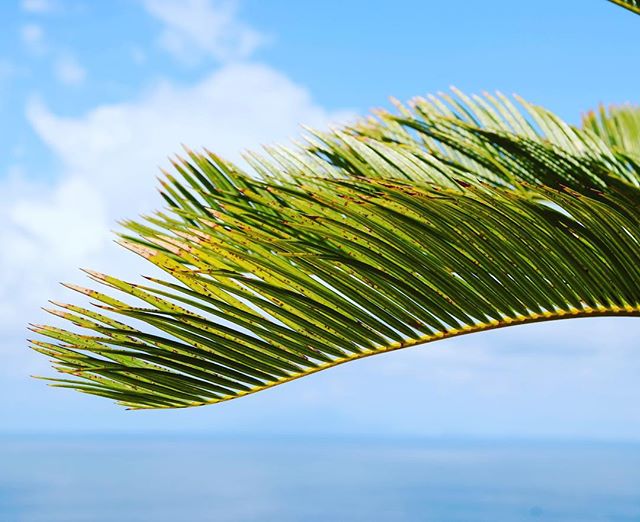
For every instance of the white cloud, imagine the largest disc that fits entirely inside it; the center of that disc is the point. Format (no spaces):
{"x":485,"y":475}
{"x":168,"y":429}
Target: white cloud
{"x":68,"y":71}
{"x":32,"y":36}
{"x":37,"y":6}
{"x":193,"y":28}
{"x":72,"y":205}
{"x":35,"y":219}
{"x":109,"y":158}
{"x":122,"y":144}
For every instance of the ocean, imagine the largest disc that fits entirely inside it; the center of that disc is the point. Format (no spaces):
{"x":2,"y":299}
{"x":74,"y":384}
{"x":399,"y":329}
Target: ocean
{"x":199,"y":478}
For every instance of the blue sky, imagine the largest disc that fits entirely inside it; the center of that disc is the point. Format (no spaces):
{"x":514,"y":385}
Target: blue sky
{"x":95,"y":95}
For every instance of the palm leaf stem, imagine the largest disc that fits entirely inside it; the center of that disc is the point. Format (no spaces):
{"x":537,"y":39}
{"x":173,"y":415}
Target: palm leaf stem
{"x":572,"y":313}
{"x":631,"y":5}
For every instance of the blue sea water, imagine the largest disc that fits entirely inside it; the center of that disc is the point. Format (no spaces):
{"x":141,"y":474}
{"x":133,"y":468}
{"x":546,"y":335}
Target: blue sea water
{"x":213,"y":479}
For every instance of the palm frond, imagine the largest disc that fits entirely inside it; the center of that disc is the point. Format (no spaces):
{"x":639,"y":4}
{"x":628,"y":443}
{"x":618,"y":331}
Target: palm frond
{"x":631,"y":5}
{"x":456,"y":214}
{"x":618,"y":127}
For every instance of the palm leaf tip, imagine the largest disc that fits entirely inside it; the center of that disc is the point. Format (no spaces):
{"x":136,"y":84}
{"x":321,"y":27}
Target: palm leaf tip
{"x":455,"y":215}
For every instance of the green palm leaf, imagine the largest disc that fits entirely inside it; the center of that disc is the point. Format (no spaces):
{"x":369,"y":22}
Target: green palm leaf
{"x":454,"y":215}
{"x":618,"y":127}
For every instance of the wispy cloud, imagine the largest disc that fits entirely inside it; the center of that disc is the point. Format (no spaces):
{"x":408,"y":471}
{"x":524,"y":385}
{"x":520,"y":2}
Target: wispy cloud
{"x":7,"y":71}
{"x":66,"y":67}
{"x":37,"y":6}
{"x":225,"y":111}
{"x":68,"y":71}
{"x":193,"y":28}
{"x":138,"y":56}
{"x":32,"y":35}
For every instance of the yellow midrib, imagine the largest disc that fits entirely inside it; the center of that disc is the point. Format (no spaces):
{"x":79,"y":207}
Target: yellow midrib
{"x":572,"y":313}
{"x":622,"y":3}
